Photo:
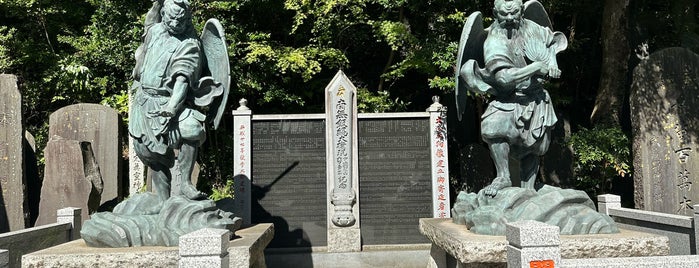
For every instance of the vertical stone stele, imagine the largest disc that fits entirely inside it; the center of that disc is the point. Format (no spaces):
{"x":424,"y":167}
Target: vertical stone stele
{"x":342,"y":165}
{"x":242,"y":161}
{"x":98,"y":125}
{"x":11,"y":189}
{"x":665,"y":126}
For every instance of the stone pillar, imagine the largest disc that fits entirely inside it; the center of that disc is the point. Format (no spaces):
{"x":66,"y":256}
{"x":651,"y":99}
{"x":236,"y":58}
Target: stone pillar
{"x":342,"y":165}
{"x":440,"y":159}
{"x":533,"y":244}
{"x":696,"y":230}
{"x":438,"y":257}
{"x":242,"y":161}
{"x":206,"y":247}
{"x":12,"y":199}
{"x":607,"y":201}
{"x":71,"y":215}
{"x":4,"y":258}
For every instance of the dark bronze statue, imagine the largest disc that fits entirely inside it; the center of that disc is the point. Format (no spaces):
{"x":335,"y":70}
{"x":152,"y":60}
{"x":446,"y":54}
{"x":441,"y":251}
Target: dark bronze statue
{"x":517,"y":52}
{"x":178,"y":75}
{"x":510,"y":61}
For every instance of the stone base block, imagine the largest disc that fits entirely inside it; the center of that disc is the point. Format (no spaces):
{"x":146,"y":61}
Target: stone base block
{"x":246,"y":250}
{"x":402,"y":255}
{"x":344,"y":240}
{"x":209,"y":262}
{"x":521,"y":257}
{"x":476,"y":250}
{"x":684,"y":261}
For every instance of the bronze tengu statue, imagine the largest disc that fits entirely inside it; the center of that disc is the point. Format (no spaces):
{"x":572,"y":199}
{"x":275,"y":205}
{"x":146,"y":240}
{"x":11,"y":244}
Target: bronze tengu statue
{"x":517,"y":54}
{"x":177,"y":76}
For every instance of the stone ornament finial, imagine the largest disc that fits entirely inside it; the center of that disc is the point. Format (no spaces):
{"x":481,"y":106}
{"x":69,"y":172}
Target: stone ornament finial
{"x":243,"y":105}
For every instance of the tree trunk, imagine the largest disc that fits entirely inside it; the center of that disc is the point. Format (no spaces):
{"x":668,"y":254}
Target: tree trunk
{"x":614,"y":70}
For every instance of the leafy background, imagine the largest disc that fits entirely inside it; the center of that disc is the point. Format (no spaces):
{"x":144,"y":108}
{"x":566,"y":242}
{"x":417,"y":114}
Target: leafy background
{"x":283,"y":52}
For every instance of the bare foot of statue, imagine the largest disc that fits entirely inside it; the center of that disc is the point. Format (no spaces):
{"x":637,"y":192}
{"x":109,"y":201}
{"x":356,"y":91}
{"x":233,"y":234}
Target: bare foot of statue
{"x":191,"y":192}
{"x":497,"y":184}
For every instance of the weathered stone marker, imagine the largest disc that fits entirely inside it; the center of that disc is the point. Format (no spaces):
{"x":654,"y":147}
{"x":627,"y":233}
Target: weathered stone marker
{"x":342,"y":165}
{"x":11,"y":186}
{"x":71,"y":179}
{"x":440,"y":160}
{"x":664,"y":100}
{"x":242,"y":161}
{"x":98,"y":125}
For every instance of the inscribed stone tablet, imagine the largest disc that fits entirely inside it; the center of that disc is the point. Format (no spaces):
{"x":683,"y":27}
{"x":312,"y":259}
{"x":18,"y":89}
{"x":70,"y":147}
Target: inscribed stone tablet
{"x":11,"y":186}
{"x":70,"y":179}
{"x":394,"y":179}
{"x":99,"y":125}
{"x":289,"y":185}
{"x":665,"y":118}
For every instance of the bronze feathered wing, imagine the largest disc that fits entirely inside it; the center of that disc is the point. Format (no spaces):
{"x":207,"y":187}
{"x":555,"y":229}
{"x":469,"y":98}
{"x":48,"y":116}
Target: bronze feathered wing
{"x":534,"y":11}
{"x":470,"y":53}
{"x":215,"y":83}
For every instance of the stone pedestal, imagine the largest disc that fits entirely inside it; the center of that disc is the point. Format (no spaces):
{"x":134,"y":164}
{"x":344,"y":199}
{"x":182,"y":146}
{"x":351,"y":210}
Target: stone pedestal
{"x":207,"y":247}
{"x":533,"y":243}
{"x":4,"y":258}
{"x":245,"y":250}
{"x":474,"y":250}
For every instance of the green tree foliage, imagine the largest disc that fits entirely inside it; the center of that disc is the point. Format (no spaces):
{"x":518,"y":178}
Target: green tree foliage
{"x":284,"y":52}
{"x":30,"y":48}
{"x":601,"y":154}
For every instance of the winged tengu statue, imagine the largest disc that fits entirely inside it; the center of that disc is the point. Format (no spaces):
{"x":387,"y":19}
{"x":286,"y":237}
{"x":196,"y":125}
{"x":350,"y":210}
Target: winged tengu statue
{"x":509,"y":60}
{"x":181,"y":82}
{"x":176,"y":74}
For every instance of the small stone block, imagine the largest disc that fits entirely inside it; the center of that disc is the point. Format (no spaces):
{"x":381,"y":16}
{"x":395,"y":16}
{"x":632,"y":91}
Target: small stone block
{"x":522,"y":258}
{"x":205,"y":242}
{"x":532,"y":234}
{"x":209,"y":262}
{"x":68,"y":212}
{"x":679,"y":261}
{"x":541,"y":264}
{"x":344,"y":240}
{"x":609,"y":198}
{"x":4,"y":258}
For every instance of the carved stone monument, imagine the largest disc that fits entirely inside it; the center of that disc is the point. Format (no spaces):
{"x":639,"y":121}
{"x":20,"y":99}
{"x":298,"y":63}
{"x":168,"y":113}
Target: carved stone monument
{"x":664,"y":98}
{"x":71,"y":179}
{"x":178,"y":75}
{"x":511,"y":60}
{"x":342,"y":168}
{"x":98,"y":125}
{"x":242,"y":161}
{"x":11,"y":186}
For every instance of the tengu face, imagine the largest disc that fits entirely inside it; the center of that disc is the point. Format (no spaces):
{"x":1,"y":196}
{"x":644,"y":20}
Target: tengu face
{"x":175,"y":18}
{"x":509,"y":18}
{"x":508,"y":14}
